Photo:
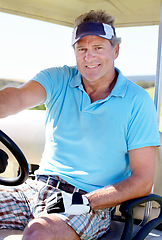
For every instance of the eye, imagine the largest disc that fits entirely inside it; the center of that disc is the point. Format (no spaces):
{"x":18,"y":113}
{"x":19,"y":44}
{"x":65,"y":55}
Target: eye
{"x":99,"y":47}
{"x":81,"y":49}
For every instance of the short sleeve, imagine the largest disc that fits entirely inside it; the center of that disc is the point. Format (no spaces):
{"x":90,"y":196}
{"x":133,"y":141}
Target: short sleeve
{"x":142,"y":128}
{"x":53,"y":79}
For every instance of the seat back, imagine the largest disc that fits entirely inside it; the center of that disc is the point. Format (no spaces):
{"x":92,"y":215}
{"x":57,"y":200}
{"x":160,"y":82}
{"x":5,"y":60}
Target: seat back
{"x":158,"y":174}
{"x":157,"y":188}
{"x":26,"y":129}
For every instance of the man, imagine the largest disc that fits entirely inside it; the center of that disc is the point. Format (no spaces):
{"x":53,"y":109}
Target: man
{"x":101,"y":138}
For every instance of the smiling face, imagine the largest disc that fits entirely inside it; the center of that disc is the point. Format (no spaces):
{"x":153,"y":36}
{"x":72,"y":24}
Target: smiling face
{"x":95,"y":59}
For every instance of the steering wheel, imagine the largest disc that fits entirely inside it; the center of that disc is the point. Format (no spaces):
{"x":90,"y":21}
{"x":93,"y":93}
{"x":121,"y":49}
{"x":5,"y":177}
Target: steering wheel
{"x":15,"y":150}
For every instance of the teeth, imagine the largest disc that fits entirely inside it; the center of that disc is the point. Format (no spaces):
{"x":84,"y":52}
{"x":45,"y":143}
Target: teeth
{"x":91,"y":66}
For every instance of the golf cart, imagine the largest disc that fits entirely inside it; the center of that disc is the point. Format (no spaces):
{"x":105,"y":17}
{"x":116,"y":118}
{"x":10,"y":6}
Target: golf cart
{"x":128,"y":13}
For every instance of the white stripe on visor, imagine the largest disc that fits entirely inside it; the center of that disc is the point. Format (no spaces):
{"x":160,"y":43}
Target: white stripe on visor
{"x":92,"y":28}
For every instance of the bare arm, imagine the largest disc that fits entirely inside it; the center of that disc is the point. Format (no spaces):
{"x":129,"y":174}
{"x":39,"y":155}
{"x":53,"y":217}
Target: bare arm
{"x":142,"y":163}
{"x":14,"y":100}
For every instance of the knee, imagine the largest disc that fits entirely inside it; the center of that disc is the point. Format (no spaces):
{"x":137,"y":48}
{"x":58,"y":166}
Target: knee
{"x":42,"y":228}
{"x":49,"y":227}
{"x":35,"y":231}
{"x":30,"y":234}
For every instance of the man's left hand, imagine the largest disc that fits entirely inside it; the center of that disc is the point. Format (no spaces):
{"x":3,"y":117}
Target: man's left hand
{"x":73,"y":204}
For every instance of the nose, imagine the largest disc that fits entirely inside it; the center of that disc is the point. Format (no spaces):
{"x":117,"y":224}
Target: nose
{"x":89,"y":55}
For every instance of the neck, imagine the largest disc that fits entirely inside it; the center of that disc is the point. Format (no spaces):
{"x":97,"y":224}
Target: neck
{"x":100,"y":90}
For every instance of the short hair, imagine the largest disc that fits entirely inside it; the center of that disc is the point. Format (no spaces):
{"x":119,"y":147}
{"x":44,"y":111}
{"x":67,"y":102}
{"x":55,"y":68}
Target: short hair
{"x":98,"y":16}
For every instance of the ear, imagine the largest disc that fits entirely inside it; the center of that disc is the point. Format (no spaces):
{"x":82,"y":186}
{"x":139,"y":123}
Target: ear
{"x":116,"y":51}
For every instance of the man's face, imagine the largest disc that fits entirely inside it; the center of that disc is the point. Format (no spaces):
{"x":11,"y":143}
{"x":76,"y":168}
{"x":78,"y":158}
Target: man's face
{"x":95,"y":58}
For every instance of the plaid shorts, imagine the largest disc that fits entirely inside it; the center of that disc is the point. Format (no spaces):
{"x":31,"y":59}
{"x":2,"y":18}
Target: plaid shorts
{"x":19,"y":205}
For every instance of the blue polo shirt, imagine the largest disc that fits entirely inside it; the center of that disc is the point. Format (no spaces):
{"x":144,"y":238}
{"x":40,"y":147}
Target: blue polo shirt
{"x":87,"y":143}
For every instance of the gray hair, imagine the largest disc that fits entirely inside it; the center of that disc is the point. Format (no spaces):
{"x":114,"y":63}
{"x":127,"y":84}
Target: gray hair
{"x":98,"y":16}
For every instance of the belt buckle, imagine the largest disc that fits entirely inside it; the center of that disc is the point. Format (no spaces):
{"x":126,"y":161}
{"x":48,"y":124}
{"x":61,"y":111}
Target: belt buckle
{"x":58,"y":183}
{"x":76,"y":190}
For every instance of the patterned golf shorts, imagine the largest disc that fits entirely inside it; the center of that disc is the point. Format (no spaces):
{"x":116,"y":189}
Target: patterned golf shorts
{"x":19,"y":205}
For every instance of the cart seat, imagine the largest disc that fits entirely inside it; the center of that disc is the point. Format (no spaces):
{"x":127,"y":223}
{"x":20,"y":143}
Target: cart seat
{"x":27,"y":130}
{"x":114,"y":233}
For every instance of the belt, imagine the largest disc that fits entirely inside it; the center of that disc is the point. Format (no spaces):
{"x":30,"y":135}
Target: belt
{"x":51,"y":180}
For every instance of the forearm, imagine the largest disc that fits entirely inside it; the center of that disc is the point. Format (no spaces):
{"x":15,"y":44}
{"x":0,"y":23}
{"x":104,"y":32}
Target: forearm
{"x":14,"y":100}
{"x":9,"y":101}
{"x":142,"y":164}
{"x":114,"y":195}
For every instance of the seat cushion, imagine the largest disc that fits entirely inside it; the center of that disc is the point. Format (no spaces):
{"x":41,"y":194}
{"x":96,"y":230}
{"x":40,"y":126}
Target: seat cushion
{"x":6,"y":234}
{"x":114,"y":233}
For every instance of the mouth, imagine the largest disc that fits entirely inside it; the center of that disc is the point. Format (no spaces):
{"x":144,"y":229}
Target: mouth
{"x":92,"y":66}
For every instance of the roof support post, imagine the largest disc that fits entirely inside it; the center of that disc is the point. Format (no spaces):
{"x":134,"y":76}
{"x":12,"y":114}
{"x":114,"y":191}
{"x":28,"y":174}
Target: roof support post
{"x":158,"y":82}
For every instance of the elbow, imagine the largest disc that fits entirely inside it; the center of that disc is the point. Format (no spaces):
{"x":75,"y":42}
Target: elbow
{"x":143,"y":186}
{"x":146,"y":187}
{"x":3,"y":112}
{"x":149,"y":189}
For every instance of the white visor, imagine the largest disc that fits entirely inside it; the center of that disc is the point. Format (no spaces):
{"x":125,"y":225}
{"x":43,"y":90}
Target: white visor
{"x":92,"y":28}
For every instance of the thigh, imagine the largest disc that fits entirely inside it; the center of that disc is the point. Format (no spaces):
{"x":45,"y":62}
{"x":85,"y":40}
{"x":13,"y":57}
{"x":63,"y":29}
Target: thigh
{"x":91,"y":225}
{"x":88,"y":226}
{"x":64,"y":227}
{"x":15,"y":206}
{"x":49,"y":227}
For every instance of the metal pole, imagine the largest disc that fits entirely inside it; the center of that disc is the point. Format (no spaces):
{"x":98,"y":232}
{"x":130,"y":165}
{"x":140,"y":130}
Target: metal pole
{"x":157,"y":101}
{"x":158,"y":82}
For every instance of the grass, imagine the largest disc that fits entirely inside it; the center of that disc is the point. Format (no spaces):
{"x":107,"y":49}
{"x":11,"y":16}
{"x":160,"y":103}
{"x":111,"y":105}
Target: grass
{"x":40,"y":107}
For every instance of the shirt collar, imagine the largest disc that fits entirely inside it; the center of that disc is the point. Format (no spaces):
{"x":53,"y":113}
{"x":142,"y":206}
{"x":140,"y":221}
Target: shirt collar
{"x":119,"y":89}
{"x":76,"y":81}
{"x":121,"y":85}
